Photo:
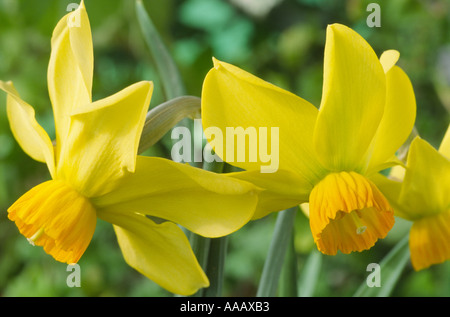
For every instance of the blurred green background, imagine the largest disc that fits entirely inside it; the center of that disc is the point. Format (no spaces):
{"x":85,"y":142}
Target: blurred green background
{"x":281,"y":41}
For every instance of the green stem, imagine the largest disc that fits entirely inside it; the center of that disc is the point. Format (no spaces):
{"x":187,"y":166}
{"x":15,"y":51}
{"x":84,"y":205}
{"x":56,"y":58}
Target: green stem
{"x":288,"y":281}
{"x":215,"y":268}
{"x":168,"y":71}
{"x":390,"y":269}
{"x":310,"y":274}
{"x":200,"y":245}
{"x":277,"y":251}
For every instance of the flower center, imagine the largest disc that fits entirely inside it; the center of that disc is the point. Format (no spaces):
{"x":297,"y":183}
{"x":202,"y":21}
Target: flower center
{"x":56,"y":217}
{"x":348,"y":213}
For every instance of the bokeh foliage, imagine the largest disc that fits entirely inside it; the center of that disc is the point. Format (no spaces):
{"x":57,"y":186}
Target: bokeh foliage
{"x":281,"y":41}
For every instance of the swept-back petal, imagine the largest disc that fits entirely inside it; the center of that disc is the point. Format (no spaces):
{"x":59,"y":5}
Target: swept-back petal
{"x":103,"y":140}
{"x":29,"y":134}
{"x":70,"y":69}
{"x":237,"y":104}
{"x":161,"y":252}
{"x":398,"y":118}
{"x":353,"y":99}
{"x":204,"y":202}
{"x":426,"y":184}
{"x":281,"y":190}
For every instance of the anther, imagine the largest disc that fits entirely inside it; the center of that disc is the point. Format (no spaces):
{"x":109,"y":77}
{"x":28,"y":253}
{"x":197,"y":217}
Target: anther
{"x":35,"y":236}
{"x":356,"y":218}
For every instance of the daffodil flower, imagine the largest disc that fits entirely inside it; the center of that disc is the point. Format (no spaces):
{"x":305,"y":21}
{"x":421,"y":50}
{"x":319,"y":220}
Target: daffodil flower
{"x":327,"y":155}
{"x":96,"y":173}
{"x":420,"y":194}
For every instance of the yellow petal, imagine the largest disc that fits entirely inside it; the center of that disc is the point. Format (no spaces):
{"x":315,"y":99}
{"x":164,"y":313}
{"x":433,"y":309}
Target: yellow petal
{"x":428,"y":240}
{"x":70,"y":69}
{"x":55,"y":216}
{"x":29,"y":134}
{"x":235,"y":102}
{"x":353,"y":99}
{"x":161,"y":252}
{"x":347,"y":212}
{"x":206,"y":203}
{"x":398,"y":118}
{"x":444,"y":148}
{"x":397,"y":173}
{"x":281,"y":190}
{"x":388,"y":59}
{"x":103,"y":140}
{"x":426,"y":184}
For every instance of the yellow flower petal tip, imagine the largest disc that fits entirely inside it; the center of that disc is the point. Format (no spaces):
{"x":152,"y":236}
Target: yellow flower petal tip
{"x":216,"y":63}
{"x":348,"y":213}
{"x":56,"y":217}
{"x":428,"y":240}
{"x":388,"y":59}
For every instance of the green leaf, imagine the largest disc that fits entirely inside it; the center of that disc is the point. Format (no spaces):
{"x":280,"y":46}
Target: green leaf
{"x":288,"y":280}
{"x":167,"y":69}
{"x":310,"y":274}
{"x":391,"y":267}
{"x":277,"y":251}
{"x":215,"y":267}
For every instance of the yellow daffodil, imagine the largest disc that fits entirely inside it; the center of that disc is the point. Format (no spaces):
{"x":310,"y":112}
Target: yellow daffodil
{"x":95,"y":172}
{"x":420,"y":194}
{"x":326,"y":155}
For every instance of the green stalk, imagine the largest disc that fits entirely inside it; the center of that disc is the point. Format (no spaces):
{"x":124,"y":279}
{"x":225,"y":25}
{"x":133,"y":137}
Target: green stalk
{"x":172,"y":82}
{"x":215,"y":267}
{"x":391,"y":267}
{"x":277,"y":253}
{"x":200,"y":246}
{"x":288,"y":280}
{"x":168,"y":71}
{"x":310,"y":274}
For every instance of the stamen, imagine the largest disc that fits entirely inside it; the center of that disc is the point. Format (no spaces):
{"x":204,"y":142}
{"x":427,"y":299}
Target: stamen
{"x":35,"y":236}
{"x":356,"y":218}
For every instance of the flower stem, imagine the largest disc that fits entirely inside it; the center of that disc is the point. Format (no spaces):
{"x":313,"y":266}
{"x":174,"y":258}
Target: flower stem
{"x":391,"y":266}
{"x":168,"y":71}
{"x":288,"y":281}
{"x":215,"y":267}
{"x":277,"y":252}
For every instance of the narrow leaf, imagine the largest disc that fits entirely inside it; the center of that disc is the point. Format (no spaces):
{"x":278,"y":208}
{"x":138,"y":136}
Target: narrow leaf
{"x":277,"y":250}
{"x":216,"y":264}
{"x":167,"y":69}
{"x":391,"y":267}
{"x":310,"y":274}
{"x":288,"y":280}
